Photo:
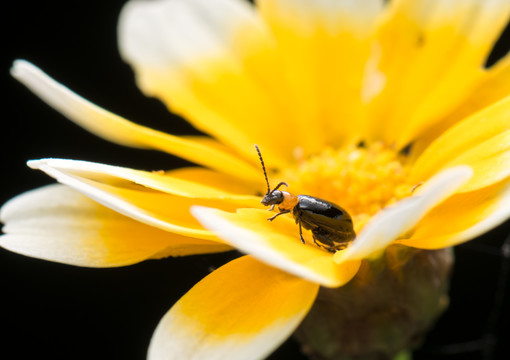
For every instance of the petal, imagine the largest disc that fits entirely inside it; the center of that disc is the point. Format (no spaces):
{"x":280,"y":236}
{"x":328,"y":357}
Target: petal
{"x":158,"y":209}
{"x":481,"y":140}
{"x":462,"y":217}
{"x":442,"y":47}
{"x":276,"y":243}
{"x":121,"y":131}
{"x":211,"y":62}
{"x":59,"y":224}
{"x":493,"y":86}
{"x":243,"y":310}
{"x":218,"y":181}
{"x":130,"y":178}
{"x":324,"y":46}
{"x":489,"y":160}
{"x":398,"y":219}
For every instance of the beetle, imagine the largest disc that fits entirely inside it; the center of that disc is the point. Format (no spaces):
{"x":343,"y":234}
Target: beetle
{"x":331,"y":225}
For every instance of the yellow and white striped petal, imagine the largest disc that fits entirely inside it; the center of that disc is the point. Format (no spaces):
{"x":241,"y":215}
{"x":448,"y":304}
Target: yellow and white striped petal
{"x":57,"y":223}
{"x":481,"y":141}
{"x":276,"y":243}
{"x":121,"y":131}
{"x":158,"y":209}
{"x":130,"y":178}
{"x":213,"y":63}
{"x":462,"y":217}
{"x":396,"y":220}
{"x":432,"y":56}
{"x":243,"y":310}
{"x":324,"y":46}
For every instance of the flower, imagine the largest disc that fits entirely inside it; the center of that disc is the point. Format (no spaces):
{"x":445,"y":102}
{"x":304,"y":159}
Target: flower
{"x":348,"y":101}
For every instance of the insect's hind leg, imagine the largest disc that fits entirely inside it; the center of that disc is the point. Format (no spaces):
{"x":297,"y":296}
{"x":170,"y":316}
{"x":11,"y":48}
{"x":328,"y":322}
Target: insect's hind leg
{"x":324,"y":242}
{"x":317,"y":241}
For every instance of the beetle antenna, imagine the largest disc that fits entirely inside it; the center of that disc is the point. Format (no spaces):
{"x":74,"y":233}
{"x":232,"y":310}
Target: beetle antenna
{"x":263,"y":168}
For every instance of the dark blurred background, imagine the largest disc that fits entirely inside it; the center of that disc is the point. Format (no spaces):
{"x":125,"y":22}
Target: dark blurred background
{"x":55,"y":311}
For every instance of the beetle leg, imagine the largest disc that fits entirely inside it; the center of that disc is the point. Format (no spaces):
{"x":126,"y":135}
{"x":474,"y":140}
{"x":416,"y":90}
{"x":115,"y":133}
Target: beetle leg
{"x":325,"y":242}
{"x":318,"y":244}
{"x":280,"y":213}
{"x":301,"y":233}
{"x":271,"y":208}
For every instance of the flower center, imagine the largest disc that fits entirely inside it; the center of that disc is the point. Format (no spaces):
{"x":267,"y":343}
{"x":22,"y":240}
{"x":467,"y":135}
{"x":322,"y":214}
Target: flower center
{"x":362,"y":179}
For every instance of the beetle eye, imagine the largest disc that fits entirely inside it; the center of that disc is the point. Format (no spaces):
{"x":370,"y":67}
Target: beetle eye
{"x":277,"y":196}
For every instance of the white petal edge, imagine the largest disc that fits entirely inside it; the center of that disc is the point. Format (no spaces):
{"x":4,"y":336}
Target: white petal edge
{"x":396,"y":220}
{"x":121,"y":131}
{"x":251,"y":243}
{"x":167,"y":184}
{"x":113,"y":202}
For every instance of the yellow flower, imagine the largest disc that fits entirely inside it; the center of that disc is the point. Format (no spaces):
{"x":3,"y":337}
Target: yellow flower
{"x":385,"y":110}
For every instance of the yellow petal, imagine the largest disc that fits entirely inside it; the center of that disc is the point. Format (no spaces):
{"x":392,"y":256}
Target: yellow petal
{"x":155,"y":208}
{"x":489,"y":160}
{"x":401,"y":217}
{"x":121,"y":131}
{"x":277,"y":244}
{"x":480,"y":139}
{"x":212,"y":62}
{"x":323,"y":46}
{"x":494,"y":85}
{"x":59,"y":224}
{"x":130,"y":178}
{"x":432,"y":56}
{"x":243,"y":310}
{"x":462,"y":217}
{"x":217,"y":181}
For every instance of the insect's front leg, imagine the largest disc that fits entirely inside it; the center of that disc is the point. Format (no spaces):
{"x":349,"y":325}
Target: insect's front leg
{"x":280,"y":213}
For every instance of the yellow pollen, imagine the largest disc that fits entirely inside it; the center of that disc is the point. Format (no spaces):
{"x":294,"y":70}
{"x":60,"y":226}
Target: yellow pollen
{"x":361,"y":179}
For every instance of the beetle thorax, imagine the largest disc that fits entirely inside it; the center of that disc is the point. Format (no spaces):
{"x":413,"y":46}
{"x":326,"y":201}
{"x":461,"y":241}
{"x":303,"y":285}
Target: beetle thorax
{"x":289,"y":201}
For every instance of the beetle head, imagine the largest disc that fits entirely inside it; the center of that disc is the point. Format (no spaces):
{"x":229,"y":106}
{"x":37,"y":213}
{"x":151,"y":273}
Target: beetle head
{"x":273,"y":197}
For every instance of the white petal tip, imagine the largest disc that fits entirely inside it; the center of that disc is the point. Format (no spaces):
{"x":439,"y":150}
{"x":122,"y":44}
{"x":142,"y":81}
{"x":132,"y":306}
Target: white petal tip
{"x":36,"y":164}
{"x":20,"y":68}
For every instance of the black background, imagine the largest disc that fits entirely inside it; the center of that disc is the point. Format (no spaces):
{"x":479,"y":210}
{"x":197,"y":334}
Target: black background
{"x":55,"y":311}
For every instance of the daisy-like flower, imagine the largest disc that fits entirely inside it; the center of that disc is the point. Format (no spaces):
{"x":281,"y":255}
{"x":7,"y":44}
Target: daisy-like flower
{"x":383,"y":109}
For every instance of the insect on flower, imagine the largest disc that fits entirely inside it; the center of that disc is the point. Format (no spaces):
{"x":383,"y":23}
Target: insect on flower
{"x":331,"y":225}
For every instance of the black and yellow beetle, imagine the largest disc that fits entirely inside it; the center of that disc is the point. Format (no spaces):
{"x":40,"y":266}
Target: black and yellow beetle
{"x":331,"y":226}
